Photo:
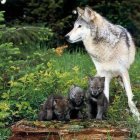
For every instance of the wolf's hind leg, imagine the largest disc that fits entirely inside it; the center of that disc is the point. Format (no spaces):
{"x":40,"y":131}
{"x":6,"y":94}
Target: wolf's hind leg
{"x":106,"y":87}
{"x":133,"y":108}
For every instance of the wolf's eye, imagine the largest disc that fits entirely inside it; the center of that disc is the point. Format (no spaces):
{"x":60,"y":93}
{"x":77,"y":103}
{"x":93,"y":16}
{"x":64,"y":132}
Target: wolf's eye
{"x":79,"y":26}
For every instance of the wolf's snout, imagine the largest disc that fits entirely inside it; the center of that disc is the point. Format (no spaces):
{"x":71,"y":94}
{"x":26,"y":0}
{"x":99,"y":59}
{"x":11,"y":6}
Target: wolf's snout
{"x":67,"y":37}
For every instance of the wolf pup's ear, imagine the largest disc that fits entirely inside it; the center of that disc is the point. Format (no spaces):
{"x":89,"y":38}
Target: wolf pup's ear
{"x":90,"y":78}
{"x":89,"y":14}
{"x":73,"y":86}
{"x":103,"y":79}
{"x":80,"y":11}
{"x":55,"y":102}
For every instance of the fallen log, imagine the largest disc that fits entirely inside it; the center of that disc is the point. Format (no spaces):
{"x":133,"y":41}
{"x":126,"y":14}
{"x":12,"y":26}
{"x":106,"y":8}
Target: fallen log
{"x":77,"y":130}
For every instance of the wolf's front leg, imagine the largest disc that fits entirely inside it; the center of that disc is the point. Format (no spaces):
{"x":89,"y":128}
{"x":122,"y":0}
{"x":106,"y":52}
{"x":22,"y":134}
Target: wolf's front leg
{"x":80,"y":115}
{"x":49,"y":115}
{"x":100,"y":111}
{"x":89,"y":110}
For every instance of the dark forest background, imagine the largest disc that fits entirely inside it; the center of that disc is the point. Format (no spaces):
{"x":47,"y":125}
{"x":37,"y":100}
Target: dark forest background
{"x":57,"y":15}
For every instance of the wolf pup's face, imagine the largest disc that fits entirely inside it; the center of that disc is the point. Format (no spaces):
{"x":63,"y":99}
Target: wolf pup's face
{"x":76,"y":95}
{"x":61,"y":109}
{"x":82,"y":26}
{"x":96,"y":85}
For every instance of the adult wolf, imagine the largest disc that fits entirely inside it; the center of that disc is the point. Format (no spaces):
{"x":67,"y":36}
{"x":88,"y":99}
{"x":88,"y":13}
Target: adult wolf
{"x":110,"y":47}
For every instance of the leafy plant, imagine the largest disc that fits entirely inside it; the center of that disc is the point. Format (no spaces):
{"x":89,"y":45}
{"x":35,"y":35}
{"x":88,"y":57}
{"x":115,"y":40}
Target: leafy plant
{"x":4,"y":133}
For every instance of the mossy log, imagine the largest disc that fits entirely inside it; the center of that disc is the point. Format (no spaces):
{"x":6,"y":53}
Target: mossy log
{"x":78,"y":130}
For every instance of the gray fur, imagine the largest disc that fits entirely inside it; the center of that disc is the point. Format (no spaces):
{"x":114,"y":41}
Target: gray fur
{"x":110,"y":33}
{"x":97,"y":103}
{"x":55,"y":107}
{"x":76,"y":97}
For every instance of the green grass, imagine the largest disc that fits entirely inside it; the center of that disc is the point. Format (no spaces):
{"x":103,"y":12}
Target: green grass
{"x":69,"y":60}
{"x":135,"y":78}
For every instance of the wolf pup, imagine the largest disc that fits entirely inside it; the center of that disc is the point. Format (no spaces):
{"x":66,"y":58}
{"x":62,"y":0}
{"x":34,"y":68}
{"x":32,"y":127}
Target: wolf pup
{"x":110,"y":47}
{"x":55,"y":107}
{"x":96,"y":101}
{"x":76,"y":98}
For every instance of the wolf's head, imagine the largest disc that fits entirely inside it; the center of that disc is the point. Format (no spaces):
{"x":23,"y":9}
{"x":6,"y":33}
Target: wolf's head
{"x":61,"y":109}
{"x":84,"y":26}
{"x":76,"y":95}
{"x":96,"y":85}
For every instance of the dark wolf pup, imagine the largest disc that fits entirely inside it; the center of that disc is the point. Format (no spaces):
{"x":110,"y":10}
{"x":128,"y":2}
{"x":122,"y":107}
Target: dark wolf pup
{"x":110,"y":47}
{"x":55,"y":107}
{"x":76,"y":97}
{"x":96,"y":101}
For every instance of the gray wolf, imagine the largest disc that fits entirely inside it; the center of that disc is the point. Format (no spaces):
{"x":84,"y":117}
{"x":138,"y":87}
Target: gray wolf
{"x":96,"y":101}
{"x":76,"y":98}
{"x":110,"y":47}
{"x":55,"y":107}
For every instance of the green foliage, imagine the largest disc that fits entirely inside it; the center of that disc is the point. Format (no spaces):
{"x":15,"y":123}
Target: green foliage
{"x":1,"y":20}
{"x":44,"y":10}
{"x":51,"y":13}
{"x":7,"y":55}
{"x":117,"y":109}
{"x":39,"y":80}
{"x":26,"y":36}
{"x":4,"y":133}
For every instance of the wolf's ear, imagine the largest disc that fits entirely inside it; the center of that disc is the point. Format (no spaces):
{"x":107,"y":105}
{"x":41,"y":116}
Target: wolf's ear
{"x":66,"y":101}
{"x":73,"y":86}
{"x":89,"y":14}
{"x":80,"y":11}
{"x":103,"y":79}
{"x":90,"y":78}
{"x":55,"y":102}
